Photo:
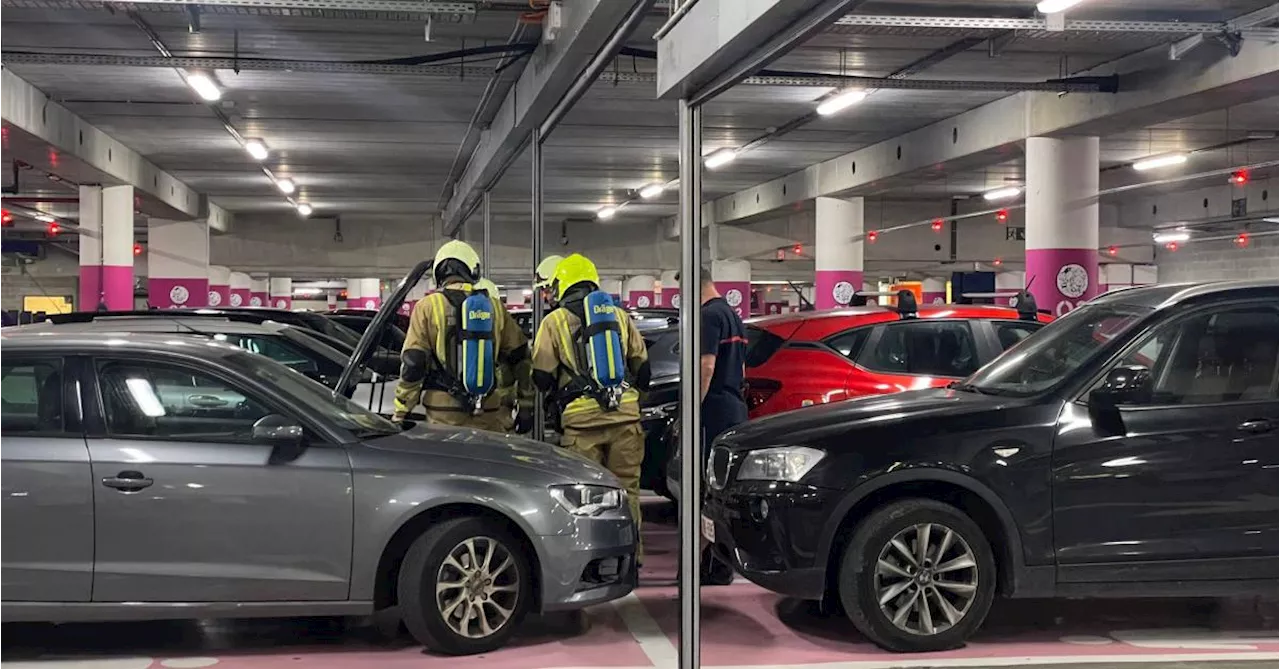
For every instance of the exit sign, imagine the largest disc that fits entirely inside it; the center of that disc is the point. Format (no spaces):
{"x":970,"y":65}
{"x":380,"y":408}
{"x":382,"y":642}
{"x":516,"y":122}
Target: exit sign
{"x":1012,"y":233}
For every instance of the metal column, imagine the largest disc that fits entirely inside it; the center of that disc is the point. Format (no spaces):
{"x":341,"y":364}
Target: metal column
{"x":690,"y":388}
{"x":535,"y":152}
{"x":486,"y":246}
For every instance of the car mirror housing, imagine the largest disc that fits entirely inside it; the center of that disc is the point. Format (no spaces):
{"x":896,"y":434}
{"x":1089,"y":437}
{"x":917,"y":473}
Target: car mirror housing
{"x":1130,"y":384}
{"x":277,"y":429}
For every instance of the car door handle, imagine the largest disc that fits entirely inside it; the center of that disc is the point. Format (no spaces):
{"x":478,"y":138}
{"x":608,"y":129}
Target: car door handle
{"x":206,"y":401}
{"x":1259,"y":426}
{"x":128,"y":481}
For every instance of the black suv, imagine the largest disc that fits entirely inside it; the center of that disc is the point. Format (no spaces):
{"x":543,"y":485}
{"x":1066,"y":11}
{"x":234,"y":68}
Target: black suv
{"x":1127,"y":449}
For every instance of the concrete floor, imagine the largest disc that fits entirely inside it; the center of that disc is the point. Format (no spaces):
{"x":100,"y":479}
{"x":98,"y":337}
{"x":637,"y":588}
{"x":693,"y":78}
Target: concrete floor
{"x":743,"y":626}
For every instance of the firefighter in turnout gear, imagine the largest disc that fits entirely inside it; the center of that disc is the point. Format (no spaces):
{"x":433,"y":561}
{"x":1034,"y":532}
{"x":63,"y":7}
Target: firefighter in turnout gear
{"x":515,"y":398}
{"x":542,"y":278}
{"x":458,"y":338}
{"x":590,"y":353}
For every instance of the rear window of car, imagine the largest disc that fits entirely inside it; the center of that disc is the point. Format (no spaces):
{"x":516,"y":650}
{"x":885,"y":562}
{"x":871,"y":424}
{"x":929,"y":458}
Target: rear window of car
{"x":761,"y":345}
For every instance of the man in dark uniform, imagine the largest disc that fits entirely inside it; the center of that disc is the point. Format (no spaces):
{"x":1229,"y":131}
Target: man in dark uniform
{"x":723,"y":362}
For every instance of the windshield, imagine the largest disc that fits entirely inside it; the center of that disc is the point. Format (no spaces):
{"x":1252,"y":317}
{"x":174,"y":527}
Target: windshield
{"x":362,"y":423}
{"x":1040,"y":362}
{"x":338,"y":331}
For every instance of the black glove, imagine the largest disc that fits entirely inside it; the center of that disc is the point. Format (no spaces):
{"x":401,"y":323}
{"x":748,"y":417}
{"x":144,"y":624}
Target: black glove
{"x":406,"y":425}
{"x":524,"y":422}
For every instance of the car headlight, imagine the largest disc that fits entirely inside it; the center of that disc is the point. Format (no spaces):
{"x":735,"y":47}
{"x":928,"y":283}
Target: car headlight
{"x":660,"y":412}
{"x":784,"y":463}
{"x":588,"y":500}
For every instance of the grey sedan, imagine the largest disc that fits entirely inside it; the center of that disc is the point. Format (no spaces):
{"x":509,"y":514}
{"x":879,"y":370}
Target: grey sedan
{"x":156,"y":476}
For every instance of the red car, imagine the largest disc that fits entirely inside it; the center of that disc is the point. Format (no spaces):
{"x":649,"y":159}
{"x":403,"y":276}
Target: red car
{"x":814,"y":357}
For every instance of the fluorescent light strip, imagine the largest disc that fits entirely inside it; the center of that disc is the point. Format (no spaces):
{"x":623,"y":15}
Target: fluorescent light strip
{"x":1002,"y":193}
{"x":257,"y":149}
{"x":652,"y":190}
{"x":304,"y":209}
{"x":1056,"y":6}
{"x":204,"y":86}
{"x":1166,"y":237}
{"x":1159,"y":161}
{"x":840,"y":101}
{"x":720,"y":158}
{"x":286,"y":186}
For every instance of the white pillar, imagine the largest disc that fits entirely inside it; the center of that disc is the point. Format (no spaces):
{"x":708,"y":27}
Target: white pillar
{"x":241,"y":286}
{"x":934,"y":291}
{"x":612,"y":287}
{"x":364,"y":294}
{"x":259,"y":291}
{"x":420,"y":291}
{"x":1062,"y":221}
{"x":837,"y":256}
{"x":106,"y":247}
{"x":177,"y":264}
{"x":281,"y":290}
{"x":665,"y":295}
{"x":219,"y":286}
{"x":638,"y":291}
{"x":733,"y":280}
{"x":1009,"y":282}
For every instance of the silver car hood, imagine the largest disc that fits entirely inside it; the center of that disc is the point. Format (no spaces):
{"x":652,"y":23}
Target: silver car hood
{"x":478,"y":446}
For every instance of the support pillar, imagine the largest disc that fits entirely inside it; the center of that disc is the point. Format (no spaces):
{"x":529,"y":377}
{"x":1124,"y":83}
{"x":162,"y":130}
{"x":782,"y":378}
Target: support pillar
{"x":1062,"y":221}
{"x":837,"y":251}
{"x":106,"y":248}
{"x":416,"y":293}
{"x":177,"y":264}
{"x":1007,"y":285}
{"x":281,"y":293}
{"x":934,"y":291}
{"x":219,"y":286}
{"x":669,"y":295}
{"x":733,"y":280}
{"x":240,"y":289}
{"x":259,"y":292}
{"x":613,"y":287}
{"x":364,"y":294}
{"x":638,"y":293}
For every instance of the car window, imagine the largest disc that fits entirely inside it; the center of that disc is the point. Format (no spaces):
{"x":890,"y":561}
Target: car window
{"x":1226,"y":355}
{"x":934,"y":348}
{"x":160,"y":400}
{"x":30,"y":396}
{"x":761,"y":345}
{"x":1012,"y":332}
{"x":275,"y":348}
{"x":849,"y":344}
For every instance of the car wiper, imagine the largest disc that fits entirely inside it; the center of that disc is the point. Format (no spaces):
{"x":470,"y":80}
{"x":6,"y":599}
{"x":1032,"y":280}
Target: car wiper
{"x":970,"y":388}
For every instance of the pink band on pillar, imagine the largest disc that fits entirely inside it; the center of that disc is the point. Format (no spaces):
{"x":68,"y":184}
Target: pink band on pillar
{"x":178,"y":293}
{"x":835,"y":288}
{"x":240,"y":297}
{"x":113,"y":284}
{"x":1062,"y":279}
{"x":219,"y":296}
{"x":738,"y":295}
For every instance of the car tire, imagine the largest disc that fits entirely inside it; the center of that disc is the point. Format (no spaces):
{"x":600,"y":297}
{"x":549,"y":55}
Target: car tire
{"x":882,"y":576}
{"x":454,"y":551}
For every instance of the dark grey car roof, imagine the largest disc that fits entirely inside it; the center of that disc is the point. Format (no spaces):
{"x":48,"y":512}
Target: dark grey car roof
{"x":56,"y":342}
{"x":1169,"y":294}
{"x":157,"y":323}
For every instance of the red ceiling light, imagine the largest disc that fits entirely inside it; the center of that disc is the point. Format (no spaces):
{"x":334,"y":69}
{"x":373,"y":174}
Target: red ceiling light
{"x":1002,"y":215}
{"x":936,"y":225}
{"x":137,"y":249}
{"x":1113,"y":250}
{"x":797,"y":249}
{"x":997,"y":262}
{"x":873,"y":236}
{"x":1239,"y":177}
{"x":6,"y":218}
{"x":53,"y":229}
{"x":1172,"y":246}
{"x":1242,"y":240}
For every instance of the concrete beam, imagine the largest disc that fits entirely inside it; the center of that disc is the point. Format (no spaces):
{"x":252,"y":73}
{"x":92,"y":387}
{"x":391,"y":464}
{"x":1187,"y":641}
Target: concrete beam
{"x":29,"y":110}
{"x":991,"y":133}
{"x":716,"y":42}
{"x":550,"y":74}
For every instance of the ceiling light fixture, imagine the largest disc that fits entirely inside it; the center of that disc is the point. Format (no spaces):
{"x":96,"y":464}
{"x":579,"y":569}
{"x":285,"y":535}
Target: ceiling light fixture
{"x":1159,"y":161}
{"x":1055,"y":6}
{"x":652,"y":190}
{"x":286,"y":186}
{"x":43,"y":218}
{"x":204,"y":86}
{"x":1168,"y":237}
{"x":1001,"y":193}
{"x":720,"y":158}
{"x":257,"y":149}
{"x":606,"y":213}
{"x":841,"y":100}
{"x":304,"y":209}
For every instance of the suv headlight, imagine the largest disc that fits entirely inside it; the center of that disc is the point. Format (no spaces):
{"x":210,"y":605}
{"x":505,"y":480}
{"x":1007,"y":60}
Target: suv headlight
{"x":588,"y":500}
{"x":784,"y":463}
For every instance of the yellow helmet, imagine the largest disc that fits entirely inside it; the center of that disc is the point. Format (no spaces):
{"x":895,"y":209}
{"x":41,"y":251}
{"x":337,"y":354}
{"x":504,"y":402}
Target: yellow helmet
{"x":574,"y":270}
{"x":487,"y":286}
{"x":456,"y":258}
{"x":546,"y":271}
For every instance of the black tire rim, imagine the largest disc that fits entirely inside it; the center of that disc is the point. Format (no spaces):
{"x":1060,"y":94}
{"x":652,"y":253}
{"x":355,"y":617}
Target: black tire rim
{"x":478,"y":588}
{"x":926,"y":579}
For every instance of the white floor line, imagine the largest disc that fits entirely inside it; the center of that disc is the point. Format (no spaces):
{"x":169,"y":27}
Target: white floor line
{"x":655,"y":645}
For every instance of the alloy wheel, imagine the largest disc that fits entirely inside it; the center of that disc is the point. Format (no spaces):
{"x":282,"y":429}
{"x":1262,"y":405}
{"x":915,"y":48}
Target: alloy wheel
{"x":926,"y":578}
{"x":477,"y":587}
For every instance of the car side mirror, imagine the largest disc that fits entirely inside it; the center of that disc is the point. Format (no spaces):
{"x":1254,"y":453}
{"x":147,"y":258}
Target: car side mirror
{"x":277,"y":429}
{"x":1129,"y":384}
